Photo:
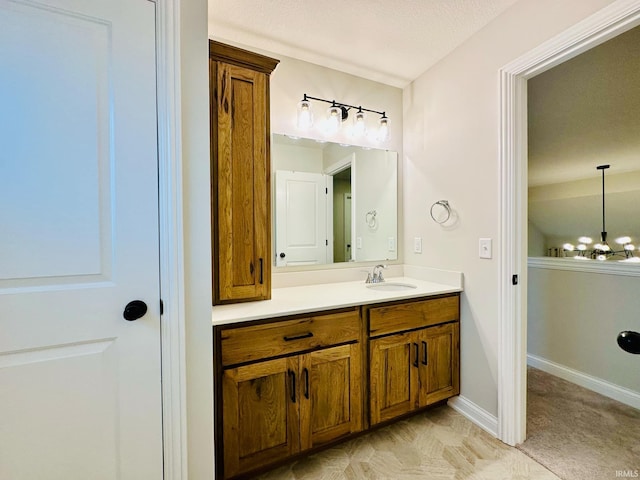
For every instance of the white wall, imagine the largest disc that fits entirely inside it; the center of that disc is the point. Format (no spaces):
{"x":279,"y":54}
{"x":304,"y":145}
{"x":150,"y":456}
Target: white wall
{"x":296,"y":158}
{"x":194,"y":78}
{"x":374,"y":175}
{"x":575,"y":317}
{"x":451,"y":139}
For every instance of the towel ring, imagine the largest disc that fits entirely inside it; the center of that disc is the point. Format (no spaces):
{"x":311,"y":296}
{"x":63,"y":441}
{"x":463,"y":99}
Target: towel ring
{"x":446,"y":206}
{"x":370,"y":218}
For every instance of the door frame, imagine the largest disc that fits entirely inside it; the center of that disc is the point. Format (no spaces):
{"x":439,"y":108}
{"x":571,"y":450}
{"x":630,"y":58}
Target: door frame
{"x":603,"y":25}
{"x":173,"y":341}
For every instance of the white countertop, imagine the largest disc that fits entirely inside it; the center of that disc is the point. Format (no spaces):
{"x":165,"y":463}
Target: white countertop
{"x":313,"y":298}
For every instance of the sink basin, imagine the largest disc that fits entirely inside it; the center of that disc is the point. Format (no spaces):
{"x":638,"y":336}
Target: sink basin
{"x":390,"y":286}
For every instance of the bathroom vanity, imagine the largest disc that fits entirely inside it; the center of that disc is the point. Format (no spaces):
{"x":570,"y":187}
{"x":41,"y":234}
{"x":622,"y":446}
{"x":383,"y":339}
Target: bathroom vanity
{"x":318,"y":364}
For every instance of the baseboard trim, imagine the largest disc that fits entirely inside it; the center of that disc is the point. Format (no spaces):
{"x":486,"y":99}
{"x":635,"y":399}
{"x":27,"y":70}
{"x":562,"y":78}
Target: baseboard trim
{"x":476,"y":414}
{"x":611,"y":390}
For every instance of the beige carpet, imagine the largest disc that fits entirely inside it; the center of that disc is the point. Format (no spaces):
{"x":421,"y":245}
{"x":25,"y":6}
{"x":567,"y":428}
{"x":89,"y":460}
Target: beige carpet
{"x":579,"y":434}
{"x":438,"y":444}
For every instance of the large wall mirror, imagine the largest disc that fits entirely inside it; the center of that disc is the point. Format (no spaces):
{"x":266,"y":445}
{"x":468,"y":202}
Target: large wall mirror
{"x":333,"y":203}
{"x":583,"y":114}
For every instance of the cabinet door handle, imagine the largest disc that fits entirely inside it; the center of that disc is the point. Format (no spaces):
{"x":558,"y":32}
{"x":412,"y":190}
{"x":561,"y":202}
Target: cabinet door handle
{"x":297,"y":337}
{"x":424,"y":353}
{"x":261,"y":272}
{"x":415,"y":363}
{"x":306,"y":383}
{"x":292,"y":385}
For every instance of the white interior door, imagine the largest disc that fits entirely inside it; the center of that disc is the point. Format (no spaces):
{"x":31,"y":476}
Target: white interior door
{"x":80,"y":390}
{"x":301,"y":218}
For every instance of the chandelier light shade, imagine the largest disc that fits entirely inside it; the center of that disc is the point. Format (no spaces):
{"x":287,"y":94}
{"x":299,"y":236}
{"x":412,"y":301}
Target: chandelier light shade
{"x":601,"y":250}
{"x":337,"y":113}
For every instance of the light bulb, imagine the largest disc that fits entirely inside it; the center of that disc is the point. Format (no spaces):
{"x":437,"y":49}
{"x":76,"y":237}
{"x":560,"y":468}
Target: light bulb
{"x":334,"y":119}
{"x":630,"y":247}
{"x":582,"y":247}
{"x":305,"y":115}
{"x":359,"y":127}
{"x":580,"y":257}
{"x":586,"y":240}
{"x":568,"y":247}
{"x":383,"y":132}
{"x":598,"y":246}
{"x":623,"y":240}
{"x":605,"y":247}
{"x":602,"y":257}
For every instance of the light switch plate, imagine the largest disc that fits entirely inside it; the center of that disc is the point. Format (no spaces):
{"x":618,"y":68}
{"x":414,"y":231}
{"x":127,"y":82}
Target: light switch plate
{"x":484,"y":247}
{"x":417,"y":245}
{"x":358,"y":242}
{"x":392,"y":244}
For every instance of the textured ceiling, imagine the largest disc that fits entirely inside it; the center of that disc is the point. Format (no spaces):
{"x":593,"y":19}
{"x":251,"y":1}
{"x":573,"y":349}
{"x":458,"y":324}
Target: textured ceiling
{"x":391,"y":42}
{"x":586,"y":112}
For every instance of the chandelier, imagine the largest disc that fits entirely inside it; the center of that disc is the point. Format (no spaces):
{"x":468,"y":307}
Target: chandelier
{"x":602,"y":251}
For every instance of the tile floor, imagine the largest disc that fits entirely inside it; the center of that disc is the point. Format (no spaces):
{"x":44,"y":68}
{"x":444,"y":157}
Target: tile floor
{"x":438,"y":444}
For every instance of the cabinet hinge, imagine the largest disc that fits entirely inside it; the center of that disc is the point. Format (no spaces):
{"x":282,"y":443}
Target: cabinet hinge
{"x":161,"y":307}
{"x":514,"y":279}
{"x":326,"y":190}
{"x":326,"y":242}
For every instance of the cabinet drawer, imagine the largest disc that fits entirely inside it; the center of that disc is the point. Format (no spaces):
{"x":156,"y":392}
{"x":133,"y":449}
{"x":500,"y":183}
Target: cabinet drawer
{"x":246,"y":344}
{"x":407,"y":316}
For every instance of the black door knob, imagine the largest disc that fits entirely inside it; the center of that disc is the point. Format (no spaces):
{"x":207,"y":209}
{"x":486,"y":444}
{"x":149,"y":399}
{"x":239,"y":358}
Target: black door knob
{"x":134,"y":310}
{"x":629,"y":341}
{"x":282,"y":255}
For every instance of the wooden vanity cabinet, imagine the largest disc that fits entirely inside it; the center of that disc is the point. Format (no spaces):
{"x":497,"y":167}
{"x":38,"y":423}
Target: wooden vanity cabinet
{"x":413,"y":356}
{"x":290,"y":385}
{"x":240,"y":173}
{"x":299,"y":386}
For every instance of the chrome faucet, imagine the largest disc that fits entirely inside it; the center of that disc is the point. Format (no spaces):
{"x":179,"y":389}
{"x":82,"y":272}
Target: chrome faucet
{"x":376,"y":274}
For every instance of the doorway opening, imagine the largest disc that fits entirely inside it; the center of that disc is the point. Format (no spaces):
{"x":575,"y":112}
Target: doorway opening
{"x":600,"y":27}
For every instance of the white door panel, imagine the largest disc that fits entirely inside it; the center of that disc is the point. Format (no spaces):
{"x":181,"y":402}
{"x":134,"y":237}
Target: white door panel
{"x":80,"y":386}
{"x":301,"y":218}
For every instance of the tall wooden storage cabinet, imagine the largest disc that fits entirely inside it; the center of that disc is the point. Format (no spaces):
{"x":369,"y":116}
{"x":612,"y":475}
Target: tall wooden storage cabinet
{"x":240,"y":169}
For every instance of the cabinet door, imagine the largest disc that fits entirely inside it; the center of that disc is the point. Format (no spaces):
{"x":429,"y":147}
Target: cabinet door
{"x":330,"y":394}
{"x":439,"y":363}
{"x":260,"y":414}
{"x":241,"y":178}
{"x":393,"y":381}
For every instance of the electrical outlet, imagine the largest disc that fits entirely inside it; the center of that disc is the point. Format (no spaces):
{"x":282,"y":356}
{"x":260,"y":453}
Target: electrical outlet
{"x":392,"y":244}
{"x":417,"y":245}
{"x":484,"y":248}
{"x":358,"y":242}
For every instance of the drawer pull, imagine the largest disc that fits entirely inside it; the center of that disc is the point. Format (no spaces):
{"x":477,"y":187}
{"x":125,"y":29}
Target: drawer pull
{"x":415,"y":363}
{"x":292,"y":385}
{"x":306,"y":383}
{"x":298,"y":337}
{"x":424,"y":353}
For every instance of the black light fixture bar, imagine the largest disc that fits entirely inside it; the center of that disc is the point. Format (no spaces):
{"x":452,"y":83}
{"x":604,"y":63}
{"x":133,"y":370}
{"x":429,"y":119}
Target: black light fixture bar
{"x":603,"y":234}
{"x":345,"y":106}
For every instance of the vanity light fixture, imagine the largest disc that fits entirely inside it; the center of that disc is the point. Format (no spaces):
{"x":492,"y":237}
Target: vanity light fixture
{"x":337,"y":113}
{"x":602,"y":251}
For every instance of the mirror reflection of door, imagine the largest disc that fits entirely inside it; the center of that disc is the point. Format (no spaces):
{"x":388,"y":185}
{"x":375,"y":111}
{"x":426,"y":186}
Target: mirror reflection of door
{"x":301,"y":212}
{"x":342,"y":215}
